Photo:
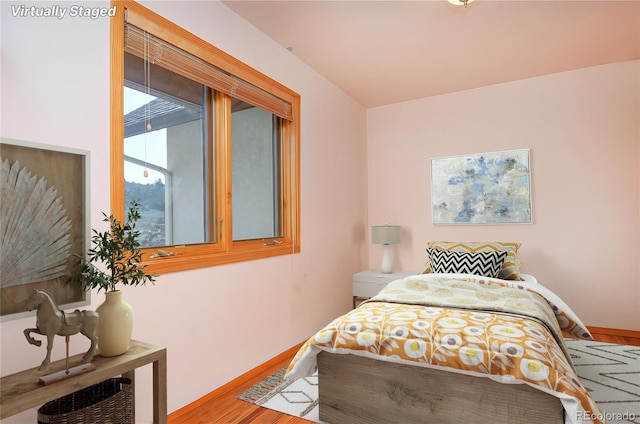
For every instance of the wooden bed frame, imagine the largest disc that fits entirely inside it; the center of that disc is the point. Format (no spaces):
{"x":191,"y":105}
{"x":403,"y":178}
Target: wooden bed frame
{"x":359,"y":390}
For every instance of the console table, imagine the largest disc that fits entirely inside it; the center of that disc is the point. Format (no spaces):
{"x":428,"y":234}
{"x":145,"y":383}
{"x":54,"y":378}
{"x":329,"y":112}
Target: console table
{"x":22,"y":391}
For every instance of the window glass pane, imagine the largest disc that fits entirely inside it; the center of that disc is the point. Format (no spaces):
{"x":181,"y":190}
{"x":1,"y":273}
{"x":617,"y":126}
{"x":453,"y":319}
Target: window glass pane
{"x":256,"y":175}
{"x":166,"y":168}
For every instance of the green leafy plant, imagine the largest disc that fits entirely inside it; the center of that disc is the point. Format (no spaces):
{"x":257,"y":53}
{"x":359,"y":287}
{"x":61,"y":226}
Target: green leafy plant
{"x":118,"y":250}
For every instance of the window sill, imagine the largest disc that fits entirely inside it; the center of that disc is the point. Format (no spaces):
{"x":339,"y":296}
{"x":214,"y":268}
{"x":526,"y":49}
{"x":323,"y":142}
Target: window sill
{"x":183,"y":261}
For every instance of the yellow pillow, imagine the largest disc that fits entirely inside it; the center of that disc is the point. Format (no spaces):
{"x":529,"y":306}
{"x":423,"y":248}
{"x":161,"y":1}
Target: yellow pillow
{"x":510,"y":269}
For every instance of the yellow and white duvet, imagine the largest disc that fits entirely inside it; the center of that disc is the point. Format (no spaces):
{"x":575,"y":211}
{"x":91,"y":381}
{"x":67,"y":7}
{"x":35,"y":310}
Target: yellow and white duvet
{"x":509,"y":331}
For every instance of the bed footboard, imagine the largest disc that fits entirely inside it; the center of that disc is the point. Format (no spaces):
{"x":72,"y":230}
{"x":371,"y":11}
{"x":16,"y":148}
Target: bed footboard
{"x":354,"y":390}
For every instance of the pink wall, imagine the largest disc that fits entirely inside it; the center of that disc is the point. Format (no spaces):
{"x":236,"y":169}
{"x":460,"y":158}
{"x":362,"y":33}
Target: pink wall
{"x":583,"y":131}
{"x":55,"y":90}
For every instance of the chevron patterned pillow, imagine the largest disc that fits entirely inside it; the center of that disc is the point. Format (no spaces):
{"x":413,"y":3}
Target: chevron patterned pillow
{"x":487,"y":264}
{"x":511,"y":267}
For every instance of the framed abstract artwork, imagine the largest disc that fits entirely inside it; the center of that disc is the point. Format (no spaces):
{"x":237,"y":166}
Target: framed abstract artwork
{"x":484,"y":188}
{"x":44,"y":207}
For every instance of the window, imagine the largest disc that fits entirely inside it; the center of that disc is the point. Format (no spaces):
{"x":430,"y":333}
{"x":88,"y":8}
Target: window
{"x":207,"y":145}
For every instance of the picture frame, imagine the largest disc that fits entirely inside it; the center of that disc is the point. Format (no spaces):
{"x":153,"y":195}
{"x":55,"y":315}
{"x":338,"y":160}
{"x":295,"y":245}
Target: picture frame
{"x":482,"y":188}
{"x":44,"y":223}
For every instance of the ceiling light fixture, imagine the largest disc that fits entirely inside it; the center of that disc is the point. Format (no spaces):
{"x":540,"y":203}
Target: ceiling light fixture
{"x":460,"y":2}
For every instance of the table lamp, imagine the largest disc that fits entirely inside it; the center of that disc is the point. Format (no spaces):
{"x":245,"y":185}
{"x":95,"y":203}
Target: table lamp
{"x":386,"y":235}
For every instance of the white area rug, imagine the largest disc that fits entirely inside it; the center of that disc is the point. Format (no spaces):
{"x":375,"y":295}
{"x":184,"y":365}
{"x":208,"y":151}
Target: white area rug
{"x":298,"y":397}
{"x":610,"y":372}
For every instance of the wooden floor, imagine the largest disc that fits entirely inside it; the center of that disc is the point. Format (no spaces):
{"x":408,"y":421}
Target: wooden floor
{"x":221,"y":406}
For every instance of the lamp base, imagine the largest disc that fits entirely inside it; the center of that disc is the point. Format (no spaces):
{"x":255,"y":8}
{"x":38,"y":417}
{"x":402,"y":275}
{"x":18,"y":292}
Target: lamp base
{"x":387,"y":266}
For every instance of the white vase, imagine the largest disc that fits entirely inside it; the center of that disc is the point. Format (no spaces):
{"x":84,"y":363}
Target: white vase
{"x":115,"y":325}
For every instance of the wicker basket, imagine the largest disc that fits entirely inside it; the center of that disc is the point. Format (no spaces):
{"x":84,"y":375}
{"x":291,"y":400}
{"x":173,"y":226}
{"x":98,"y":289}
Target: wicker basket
{"x":109,"y":402}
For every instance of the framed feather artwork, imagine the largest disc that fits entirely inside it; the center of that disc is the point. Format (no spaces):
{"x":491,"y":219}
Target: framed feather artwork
{"x":44,"y":206}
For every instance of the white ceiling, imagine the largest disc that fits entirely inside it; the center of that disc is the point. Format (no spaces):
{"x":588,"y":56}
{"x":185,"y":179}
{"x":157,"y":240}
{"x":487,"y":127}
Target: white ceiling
{"x":383,"y":52}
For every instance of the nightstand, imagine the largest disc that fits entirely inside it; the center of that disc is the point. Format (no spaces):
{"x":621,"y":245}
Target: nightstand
{"x":369,"y":283}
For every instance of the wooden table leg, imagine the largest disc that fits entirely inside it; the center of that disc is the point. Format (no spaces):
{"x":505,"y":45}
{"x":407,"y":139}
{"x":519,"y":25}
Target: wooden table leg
{"x":160,"y":390}
{"x":131,"y":375}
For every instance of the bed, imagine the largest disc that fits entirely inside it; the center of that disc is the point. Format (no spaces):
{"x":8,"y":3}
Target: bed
{"x":451,"y":347}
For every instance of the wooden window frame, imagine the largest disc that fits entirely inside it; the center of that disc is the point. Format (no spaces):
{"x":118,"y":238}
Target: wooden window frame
{"x":224,"y":250}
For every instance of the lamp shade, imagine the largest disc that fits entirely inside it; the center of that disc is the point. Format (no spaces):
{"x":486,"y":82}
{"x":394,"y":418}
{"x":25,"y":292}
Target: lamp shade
{"x":385,"y":234}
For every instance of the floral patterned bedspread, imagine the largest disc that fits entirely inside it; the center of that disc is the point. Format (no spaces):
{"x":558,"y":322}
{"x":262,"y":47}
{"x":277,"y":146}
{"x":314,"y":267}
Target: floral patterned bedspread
{"x":507,"y":331}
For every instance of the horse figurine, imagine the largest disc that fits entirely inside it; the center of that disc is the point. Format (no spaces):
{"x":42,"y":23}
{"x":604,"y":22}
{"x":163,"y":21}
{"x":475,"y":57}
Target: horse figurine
{"x":51,"y":321}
